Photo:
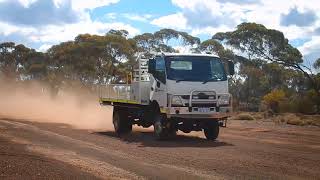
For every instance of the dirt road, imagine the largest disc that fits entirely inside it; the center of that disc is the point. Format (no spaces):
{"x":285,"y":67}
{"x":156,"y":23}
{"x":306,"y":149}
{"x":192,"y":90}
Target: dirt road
{"x":245,"y":150}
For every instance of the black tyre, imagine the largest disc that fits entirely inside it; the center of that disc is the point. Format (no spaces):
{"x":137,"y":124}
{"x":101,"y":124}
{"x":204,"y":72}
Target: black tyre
{"x":163,"y":130}
{"x":211,"y":131}
{"x":121,"y":123}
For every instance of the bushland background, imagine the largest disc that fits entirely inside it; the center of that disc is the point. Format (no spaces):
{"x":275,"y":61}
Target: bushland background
{"x":271,"y":75}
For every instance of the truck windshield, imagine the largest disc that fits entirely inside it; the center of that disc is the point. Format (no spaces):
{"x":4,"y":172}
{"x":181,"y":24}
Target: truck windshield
{"x":195,"y":68}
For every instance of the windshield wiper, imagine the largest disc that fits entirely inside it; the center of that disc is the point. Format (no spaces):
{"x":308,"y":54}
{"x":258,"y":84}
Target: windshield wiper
{"x":211,"y":79}
{"x":179,"y":80}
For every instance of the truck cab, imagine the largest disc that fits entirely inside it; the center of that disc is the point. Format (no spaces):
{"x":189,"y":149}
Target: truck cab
{"x":187,"y":92}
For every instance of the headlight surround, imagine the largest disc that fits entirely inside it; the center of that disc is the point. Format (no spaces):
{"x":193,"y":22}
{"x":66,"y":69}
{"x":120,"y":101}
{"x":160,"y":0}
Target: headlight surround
{"x":176,"y":101}
{"x":224,"y":99}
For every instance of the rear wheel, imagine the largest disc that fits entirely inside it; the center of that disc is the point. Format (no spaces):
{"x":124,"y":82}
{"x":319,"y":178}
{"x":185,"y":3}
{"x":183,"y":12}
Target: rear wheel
{"x":121,"y":123}
{"x":211,"y":131}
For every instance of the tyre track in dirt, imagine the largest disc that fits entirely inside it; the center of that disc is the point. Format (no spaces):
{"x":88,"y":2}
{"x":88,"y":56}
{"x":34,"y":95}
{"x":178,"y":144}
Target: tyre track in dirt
{"x":94,"y":158}
{"x":254,"y":151}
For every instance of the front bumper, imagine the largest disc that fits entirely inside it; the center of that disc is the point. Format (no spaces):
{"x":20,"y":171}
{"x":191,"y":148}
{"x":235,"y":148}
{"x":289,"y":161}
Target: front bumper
{"x":201,"y":108}
{"x":184,"y":112}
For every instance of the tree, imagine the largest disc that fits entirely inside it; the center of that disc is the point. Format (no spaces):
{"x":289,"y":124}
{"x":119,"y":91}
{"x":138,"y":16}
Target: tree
{"x":7,"y":59}
{"x":13,"y":59}
{"x":123,"y":33}
{"x":273,"y":99}
{"x":317,"y":64}
{"x":258,"y":42}
{"x":160,"y":40}
{"x":94,"y":59}
{"x":215,"y":47}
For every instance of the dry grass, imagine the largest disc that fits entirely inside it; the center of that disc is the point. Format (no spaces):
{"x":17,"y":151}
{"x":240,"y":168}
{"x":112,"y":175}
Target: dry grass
{"x":244,"y":116}
{"x":298,"y":120}
{"x":258,"y":116}
{"x":313,"y":120}
{"x":286,"y":118}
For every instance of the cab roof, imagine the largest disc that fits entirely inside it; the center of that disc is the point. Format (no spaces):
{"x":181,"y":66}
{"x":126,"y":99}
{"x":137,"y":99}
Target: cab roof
{"x":188,"y":54}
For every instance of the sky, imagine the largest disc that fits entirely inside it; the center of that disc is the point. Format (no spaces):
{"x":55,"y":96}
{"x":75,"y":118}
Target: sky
{"x":42,"y":23}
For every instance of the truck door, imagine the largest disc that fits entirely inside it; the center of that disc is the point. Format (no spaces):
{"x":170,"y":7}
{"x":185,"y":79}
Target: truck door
{"x":158,"y":83}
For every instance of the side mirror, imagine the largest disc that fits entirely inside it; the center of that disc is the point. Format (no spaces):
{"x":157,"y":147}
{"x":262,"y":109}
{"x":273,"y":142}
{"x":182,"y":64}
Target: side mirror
{"x":151,"y":66}
{"x":231,"y":68}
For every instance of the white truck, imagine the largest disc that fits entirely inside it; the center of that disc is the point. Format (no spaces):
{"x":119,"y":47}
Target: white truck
{"x":171,"y":92}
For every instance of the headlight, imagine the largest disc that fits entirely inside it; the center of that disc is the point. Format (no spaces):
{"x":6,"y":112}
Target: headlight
{"x":224,"y":99}
{"x":212,"y":97}
{"x":195,"y":97}
{"x":176,"y":101}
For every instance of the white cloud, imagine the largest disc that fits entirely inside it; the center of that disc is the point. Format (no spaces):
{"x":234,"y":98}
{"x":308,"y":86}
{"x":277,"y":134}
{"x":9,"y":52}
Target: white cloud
{"x":209,"y":30}
{"x":44,"y":47}
{"x":208,"y":17}
{"x":111,"y":16}
{"x":311,"y":47}
{"x":53,"y":34}
{"x":86,"y":4}
{"x":42,"y":37}
{"x":26,"y":3}
{"x":176,"y":21}
{"x":68,"y":32}
{"x":137,"y":17}
{"x":311,"y":52}
{"x":76,"y":4}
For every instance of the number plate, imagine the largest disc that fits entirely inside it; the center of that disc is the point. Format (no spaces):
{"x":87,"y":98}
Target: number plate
{"x":204,"y":110}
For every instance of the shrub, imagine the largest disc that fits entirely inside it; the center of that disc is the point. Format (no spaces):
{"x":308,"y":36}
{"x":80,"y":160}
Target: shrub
{"x":297,"y":122}
{"x":273,"y":99}
{"x":289,"y":119}
{"x":313,"y":120}
{"x":244,"y":116}
{"x":257,"y":116}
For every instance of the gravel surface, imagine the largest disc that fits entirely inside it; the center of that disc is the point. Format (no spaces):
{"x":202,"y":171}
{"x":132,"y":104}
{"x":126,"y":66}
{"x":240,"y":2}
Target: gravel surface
{"x":18,"y":163}
{"x":244,"y":150}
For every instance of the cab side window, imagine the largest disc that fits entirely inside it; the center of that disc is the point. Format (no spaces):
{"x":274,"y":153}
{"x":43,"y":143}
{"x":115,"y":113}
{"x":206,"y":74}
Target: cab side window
{"x":160,"y":73}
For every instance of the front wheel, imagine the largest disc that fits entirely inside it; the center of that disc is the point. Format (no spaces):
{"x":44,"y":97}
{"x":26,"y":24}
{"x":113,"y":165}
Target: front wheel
{"x":211,"y":131}
{"x":121,"y":123}
{"x":163,"y":129}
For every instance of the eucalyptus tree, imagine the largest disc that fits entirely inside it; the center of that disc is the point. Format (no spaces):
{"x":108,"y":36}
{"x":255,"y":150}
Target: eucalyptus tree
{"x":164,"y":40}
{"x":258,"y":42}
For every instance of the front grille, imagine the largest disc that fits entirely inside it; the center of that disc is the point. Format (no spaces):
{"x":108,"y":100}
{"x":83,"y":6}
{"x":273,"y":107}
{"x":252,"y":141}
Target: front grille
{"x":200,"y":96}
{"x":201,"y":105}
{"x":185,"y":96}
{"x":203,"y":96}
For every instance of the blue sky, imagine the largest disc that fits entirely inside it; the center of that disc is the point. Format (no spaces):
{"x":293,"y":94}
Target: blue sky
{"x":43,"y":23}
{"x":156,"y":8}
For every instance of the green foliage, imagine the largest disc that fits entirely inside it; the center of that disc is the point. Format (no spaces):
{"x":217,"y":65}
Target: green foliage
{"x":269,"y":62}
{"x":274,"y":96}
{"x":259,"y":42}
{"x":317,"y":64}
{"x":273,"y":99}
{"x":256,"y":41}
{"x":92,"y":58}
{"x":215,"y":47}
{"x":160,"y":40}
{"x":306,"y":103}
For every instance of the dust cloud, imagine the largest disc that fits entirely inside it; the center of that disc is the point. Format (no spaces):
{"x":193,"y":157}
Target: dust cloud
{"x":33,"y":102}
